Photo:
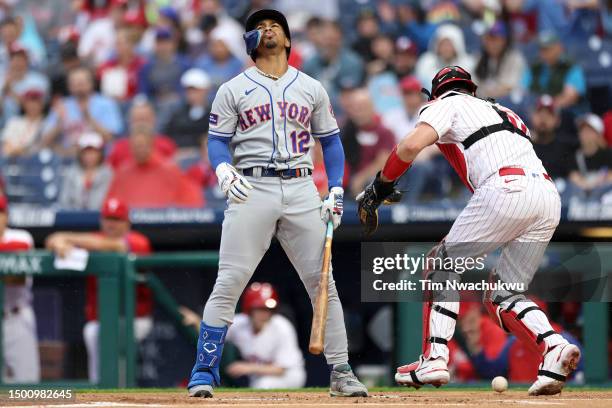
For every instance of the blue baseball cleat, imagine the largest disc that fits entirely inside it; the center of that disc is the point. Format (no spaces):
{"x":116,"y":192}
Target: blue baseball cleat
{"x":205,"y":372}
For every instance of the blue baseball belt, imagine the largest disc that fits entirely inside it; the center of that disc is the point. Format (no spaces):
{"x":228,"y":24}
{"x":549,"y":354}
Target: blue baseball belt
{"x":284,"y":174}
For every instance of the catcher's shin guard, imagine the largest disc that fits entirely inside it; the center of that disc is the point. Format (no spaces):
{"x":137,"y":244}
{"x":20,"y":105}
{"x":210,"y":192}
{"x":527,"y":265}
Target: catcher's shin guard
{"x":205,"y":372}
{"x":441,"y":308}
{"x":522,"y":317}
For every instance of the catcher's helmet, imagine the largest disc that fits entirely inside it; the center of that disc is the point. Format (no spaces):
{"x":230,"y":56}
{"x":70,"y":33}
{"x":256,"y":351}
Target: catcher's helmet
{"x":259,"y":296}
{"x":252,"y":36}
{"x":449,"y":78}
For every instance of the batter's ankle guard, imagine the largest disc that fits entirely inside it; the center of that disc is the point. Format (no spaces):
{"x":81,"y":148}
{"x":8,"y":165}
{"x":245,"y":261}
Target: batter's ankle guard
{"x":208,"y":356}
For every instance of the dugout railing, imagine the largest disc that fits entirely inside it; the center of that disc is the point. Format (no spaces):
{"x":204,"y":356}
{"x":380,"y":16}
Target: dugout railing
{"x":118,"y":274}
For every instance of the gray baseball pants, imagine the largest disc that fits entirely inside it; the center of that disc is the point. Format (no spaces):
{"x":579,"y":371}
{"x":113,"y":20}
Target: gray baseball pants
{"x":289,"y":209}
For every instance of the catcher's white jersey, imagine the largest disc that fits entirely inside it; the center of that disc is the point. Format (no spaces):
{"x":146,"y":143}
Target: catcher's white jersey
{"x":455,"y":116}
{"x":515,"y":205}
{"x":272,"y":123}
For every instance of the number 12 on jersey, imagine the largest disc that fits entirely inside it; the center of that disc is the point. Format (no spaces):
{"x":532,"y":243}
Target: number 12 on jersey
{"x":299,"y":141}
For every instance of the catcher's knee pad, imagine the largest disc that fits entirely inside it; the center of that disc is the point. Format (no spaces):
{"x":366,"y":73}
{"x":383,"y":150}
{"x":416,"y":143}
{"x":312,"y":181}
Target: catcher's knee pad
{"x":441,"y":306}
{"x":511,"y":312}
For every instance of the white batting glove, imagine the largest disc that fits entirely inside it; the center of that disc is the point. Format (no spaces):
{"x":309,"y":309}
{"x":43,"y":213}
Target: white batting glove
{"x":233,"y":184}
{"x":333,"y":206}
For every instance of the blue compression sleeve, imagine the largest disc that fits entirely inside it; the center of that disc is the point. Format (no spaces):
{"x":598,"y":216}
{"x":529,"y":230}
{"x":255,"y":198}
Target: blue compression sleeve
{"x":333,"y":156}
{"x":218,"y":150}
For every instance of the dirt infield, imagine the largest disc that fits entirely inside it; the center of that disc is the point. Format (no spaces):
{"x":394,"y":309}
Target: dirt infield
{"x":314,"y":399}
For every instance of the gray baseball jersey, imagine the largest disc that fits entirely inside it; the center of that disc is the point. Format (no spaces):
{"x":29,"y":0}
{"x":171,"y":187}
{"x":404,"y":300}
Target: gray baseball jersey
{"x":272,"y":123}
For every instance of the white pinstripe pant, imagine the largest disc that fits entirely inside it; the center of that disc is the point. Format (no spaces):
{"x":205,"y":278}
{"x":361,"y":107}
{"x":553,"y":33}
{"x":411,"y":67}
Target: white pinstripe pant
{"x":518,"y":214}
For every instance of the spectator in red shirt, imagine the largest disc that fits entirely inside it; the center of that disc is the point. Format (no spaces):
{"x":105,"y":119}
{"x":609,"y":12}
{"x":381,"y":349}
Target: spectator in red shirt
{"x":119,"y":75}
{"x":142,"y":112}
{"x":149,"y":181}
{"x":366,"y":141}
{"x":202,"y":172}
{"x":115,"y":236}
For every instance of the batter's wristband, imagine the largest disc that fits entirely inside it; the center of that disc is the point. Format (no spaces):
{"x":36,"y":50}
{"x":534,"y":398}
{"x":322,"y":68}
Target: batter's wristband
{"x":395,"y":167}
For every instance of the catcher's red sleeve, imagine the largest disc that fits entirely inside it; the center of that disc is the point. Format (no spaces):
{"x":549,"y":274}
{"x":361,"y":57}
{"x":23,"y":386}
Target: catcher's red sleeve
{"x":395,"y":167}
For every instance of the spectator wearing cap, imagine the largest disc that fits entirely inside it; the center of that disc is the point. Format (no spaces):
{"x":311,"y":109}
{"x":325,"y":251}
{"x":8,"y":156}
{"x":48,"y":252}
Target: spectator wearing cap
{"x":334,"y":62}
{"x":83,"y":111}
{"x":19,"y":339}
{"x":366,"y":140}
{"x":23,"y":132}
{"x":219,"y":62}
{"x":500,"y":66}
{"x":554,"y":74}
{"x":553,"y":144}
{"x":97,"y":43}
{"x":86,"y":182}
{"x":16,"y":77}
{"x":590,"y":175}
{"x":189,"y":123}
{"x":119,"y":75}
{"x":149,"y":181}
{"x":405,"y":57}
{"x":160,"y":77}
{"x":447,"y":47}
{"x":115,"y":235}
{"x":141,"y":113}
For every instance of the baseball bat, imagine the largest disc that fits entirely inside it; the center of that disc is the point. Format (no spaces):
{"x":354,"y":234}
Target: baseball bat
{"x":319,"y":316}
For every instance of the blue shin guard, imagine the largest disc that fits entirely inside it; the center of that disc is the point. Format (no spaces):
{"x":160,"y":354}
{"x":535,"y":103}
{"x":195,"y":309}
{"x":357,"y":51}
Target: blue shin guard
{"x":208,"y":357}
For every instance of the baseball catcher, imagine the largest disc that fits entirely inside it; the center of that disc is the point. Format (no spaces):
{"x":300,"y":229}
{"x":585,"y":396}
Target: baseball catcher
{"x":515,"y":206}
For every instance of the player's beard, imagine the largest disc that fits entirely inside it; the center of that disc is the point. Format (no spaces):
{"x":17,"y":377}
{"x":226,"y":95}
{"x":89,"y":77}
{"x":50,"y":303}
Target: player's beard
{"x":270,"y":44}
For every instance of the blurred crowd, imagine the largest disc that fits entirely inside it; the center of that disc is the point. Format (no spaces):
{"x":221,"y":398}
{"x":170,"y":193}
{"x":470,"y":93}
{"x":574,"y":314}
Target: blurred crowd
{"x":111,"y":97}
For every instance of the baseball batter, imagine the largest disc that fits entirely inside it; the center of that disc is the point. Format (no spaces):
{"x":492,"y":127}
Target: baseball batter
{"x":20,"y":342}
{"x":262,"y":125}
{"x":515,"y":207}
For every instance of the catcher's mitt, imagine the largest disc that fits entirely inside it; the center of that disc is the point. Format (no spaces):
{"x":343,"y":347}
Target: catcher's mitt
{"x":376,"y":193}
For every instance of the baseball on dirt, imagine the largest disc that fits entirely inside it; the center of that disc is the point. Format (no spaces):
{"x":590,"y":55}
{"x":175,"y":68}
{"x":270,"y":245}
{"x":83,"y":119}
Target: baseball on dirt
{"x":499,"y":384}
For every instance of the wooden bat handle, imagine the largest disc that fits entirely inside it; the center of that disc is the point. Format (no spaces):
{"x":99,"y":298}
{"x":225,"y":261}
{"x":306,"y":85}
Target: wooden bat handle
{"x":319,"y":317}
